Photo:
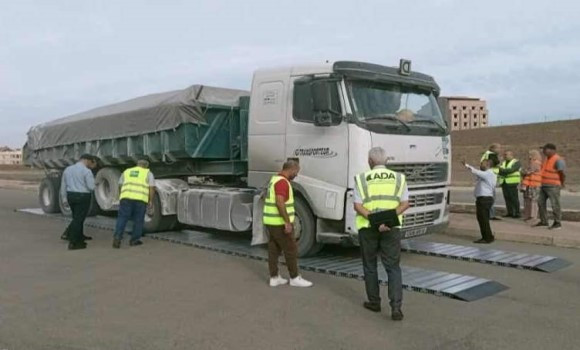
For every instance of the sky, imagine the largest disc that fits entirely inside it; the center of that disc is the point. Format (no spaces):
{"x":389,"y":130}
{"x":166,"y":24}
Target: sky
{"x":62,"y":57}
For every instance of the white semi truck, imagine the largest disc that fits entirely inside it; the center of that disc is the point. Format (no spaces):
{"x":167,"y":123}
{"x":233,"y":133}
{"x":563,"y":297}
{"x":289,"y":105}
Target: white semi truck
{"x":214,"y":150}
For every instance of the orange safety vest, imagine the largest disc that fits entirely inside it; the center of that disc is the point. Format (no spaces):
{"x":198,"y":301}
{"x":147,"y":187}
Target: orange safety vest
{"x":533,"y":179}
{"x":550,"y":175}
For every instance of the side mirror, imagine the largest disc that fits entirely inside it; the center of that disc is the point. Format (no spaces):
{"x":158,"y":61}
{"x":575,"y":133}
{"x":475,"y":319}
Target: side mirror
{"x":325,"y":103}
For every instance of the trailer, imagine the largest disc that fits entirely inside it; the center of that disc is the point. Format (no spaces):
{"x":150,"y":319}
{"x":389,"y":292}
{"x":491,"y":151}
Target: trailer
{"x":213,"y":150}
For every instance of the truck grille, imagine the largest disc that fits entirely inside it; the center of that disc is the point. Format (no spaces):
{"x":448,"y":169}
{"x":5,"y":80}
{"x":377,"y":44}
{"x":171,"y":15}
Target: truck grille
{"x":421,"y":200}
{"x":422,"y":173}
{"x":424,"y":218}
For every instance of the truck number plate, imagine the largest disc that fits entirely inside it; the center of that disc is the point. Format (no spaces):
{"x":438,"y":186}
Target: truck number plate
{"x":416,"y":232}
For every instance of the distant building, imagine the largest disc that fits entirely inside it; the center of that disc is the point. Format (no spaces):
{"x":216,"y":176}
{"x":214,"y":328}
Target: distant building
{"x":10,"y":156}
{"x":464,"y":113}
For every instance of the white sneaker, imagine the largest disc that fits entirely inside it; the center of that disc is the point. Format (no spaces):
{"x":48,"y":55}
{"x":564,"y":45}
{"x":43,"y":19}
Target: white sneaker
{"x":277,"y":281}
{"x":300,"y":282}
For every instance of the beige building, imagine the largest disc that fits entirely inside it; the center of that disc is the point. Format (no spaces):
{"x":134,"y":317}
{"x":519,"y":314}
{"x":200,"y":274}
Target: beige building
{"x":465,"y":112}
{"x":10,"y":156}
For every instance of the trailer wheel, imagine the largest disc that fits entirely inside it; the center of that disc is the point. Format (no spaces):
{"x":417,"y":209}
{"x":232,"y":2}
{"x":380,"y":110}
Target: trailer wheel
{"x":107,"y":188}
{"x":65,"y":208}
{"x":48,"y":194}
{"x":305,"y":229}
{"x":157,"y":222}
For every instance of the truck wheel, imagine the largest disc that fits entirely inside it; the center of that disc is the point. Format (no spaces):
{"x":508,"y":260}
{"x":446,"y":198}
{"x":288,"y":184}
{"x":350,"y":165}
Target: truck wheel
{"x":48,"y":194}
{"x":66,"y":211}
{"x":305,"y":229}
{"x":107,"y":188}
{"x":158,"y":222}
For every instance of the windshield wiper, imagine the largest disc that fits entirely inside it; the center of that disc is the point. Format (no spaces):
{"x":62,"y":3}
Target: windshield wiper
{"x":431,"y":121}
{"x":388,"y":117}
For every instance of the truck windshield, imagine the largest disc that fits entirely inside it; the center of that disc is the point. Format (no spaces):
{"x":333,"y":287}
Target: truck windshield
{"x":388,"y":108}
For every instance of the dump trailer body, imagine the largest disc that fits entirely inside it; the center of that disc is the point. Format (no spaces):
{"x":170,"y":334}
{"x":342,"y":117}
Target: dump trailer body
{"x":178,"y":131}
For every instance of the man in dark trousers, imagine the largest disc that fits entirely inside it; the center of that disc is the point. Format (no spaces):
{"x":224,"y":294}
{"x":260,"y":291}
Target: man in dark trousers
{"x":377,"y":190}
{"x":77,"y":186}
{"x":510,"y":178}
{"x":484,"y":188}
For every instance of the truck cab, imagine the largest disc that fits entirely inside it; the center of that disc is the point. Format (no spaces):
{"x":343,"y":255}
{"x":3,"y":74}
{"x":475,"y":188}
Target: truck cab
{"x":329,"y":116}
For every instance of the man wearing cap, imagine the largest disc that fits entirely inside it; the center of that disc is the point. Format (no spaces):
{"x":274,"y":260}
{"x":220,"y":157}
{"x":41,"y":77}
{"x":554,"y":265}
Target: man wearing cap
{"x":553,"y":179}
{"x":137,"y":193}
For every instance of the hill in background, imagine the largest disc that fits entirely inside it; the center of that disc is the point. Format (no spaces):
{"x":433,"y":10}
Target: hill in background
{"x":470,"y":144}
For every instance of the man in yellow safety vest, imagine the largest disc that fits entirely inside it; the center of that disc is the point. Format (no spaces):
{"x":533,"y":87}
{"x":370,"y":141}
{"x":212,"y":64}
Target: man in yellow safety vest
{"x":510,"y":179}
{"x":377,"y":190}
{"x":137,"y":192}
{"x":278,"y":217}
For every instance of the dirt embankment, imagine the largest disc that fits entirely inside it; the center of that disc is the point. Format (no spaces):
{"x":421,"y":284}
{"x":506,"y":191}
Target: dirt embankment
{"x":20,"y":177}
{"x":470,"y":144}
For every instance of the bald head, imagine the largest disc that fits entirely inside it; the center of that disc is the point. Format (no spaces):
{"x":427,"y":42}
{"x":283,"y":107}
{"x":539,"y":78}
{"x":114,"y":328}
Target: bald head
{"x":143,"y":163}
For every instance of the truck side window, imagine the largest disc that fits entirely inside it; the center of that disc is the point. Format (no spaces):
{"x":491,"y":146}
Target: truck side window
{"x":303,"y":106}
{"x":302,"y":103}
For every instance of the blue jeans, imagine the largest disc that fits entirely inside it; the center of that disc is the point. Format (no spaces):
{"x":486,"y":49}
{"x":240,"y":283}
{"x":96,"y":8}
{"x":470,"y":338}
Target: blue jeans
{"x":131,"y":210}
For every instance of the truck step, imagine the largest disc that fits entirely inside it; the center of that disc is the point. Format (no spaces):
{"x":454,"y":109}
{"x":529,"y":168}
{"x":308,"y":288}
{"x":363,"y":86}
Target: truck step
{"x":346,"y":264}
{"x":517,"y":260}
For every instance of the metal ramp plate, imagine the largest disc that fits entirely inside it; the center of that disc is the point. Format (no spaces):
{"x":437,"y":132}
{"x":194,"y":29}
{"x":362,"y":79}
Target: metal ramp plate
{"x":456,"y":286}
{"x":451,"y":285}
{"x":488,"y":256}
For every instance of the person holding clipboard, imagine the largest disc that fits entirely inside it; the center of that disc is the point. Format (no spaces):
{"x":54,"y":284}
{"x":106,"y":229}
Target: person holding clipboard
{"x":380,"y":198}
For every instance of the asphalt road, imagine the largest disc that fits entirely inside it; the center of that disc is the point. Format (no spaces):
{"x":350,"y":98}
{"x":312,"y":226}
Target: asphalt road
{"x":569,"y":201}
{"x":166,"y":296}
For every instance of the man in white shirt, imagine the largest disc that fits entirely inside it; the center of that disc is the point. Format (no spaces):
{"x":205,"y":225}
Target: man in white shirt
{"x":484,"y":190}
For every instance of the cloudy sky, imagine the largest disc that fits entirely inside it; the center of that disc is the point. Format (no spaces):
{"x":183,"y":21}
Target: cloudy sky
{"x":62,"y":57}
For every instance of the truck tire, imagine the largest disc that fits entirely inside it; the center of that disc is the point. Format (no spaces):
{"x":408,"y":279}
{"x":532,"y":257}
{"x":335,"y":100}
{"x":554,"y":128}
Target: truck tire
{"x":305,"y":229}
{"x":157,"y":222}
{"x":107,"y":188}
{"x":48,"y":194}
{"x":66,"y":211}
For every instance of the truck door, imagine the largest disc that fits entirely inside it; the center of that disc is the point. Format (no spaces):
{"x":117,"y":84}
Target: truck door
{"x":320,"y":141}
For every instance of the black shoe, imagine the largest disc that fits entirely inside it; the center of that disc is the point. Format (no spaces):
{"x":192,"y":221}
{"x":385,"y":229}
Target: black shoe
{"x":87,"y":238}
{"x":556,"y":226}
{"x":396,"y":314}
{"x":116,"y":243}
{"x":495,"y":218}
{"x":77,"y":246}
{"x":482,"y":241}
{"x":539,"y":224}
{"x":372,"y":306}
{"x":135,"y":243}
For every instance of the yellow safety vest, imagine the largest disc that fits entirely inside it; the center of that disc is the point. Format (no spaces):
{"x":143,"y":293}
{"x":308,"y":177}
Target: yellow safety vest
{"x":272,"y":215}
{"x":485,"y":155}
{"x":380,"y":189}
{"x":135,"y":184}
{"x":511,"y":178}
